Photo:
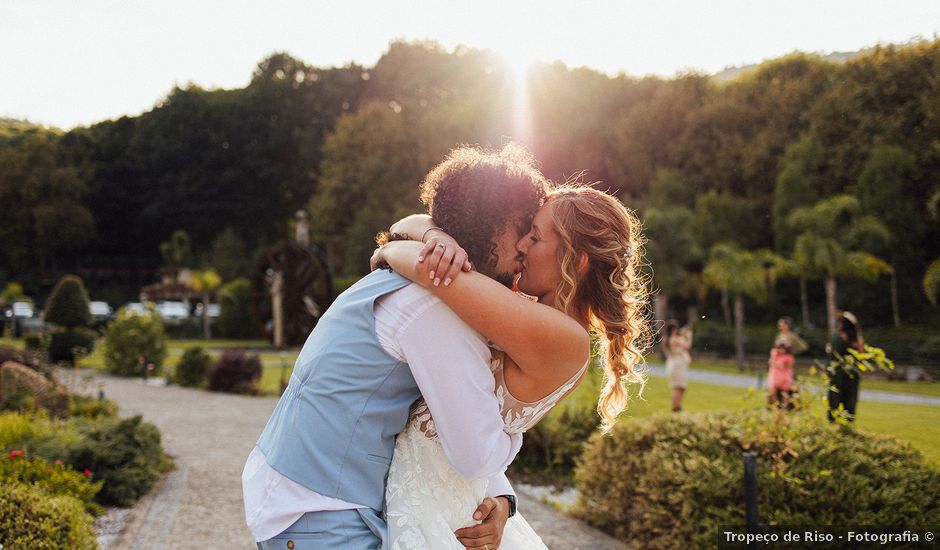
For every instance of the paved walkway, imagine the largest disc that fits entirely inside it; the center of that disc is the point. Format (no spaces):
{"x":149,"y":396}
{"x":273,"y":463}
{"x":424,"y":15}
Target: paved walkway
{"x":209,"y":435}
{"x":752,"y":381}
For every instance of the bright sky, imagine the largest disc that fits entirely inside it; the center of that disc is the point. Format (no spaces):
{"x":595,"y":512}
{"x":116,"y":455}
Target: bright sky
{"x":66,"y":62}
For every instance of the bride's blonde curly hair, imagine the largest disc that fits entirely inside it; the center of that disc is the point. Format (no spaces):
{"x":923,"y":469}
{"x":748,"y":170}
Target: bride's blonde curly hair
{"x":612,"y":294}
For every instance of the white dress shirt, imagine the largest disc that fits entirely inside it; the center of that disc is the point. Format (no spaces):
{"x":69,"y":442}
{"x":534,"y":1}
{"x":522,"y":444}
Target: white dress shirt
{"x":450,"y":363}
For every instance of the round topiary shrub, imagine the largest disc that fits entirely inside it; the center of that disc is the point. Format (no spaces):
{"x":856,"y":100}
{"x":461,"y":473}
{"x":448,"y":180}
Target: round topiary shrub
{"x":134,"y":343}
{"x":676,"y":481}
{"x":65,"y":345}
{"x":30,"y":518}
{"x":68,"y":304}
{"x":193,"y":367}
{"x":235,"y":372}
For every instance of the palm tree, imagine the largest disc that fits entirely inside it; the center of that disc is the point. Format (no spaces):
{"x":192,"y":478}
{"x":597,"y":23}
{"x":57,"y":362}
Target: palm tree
{"x":740,"y":273}
{"x":833,"y":235}
{"x":206,"y":282}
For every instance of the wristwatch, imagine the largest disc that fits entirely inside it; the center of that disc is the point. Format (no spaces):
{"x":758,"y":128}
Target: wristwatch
{"x":512,"y":504}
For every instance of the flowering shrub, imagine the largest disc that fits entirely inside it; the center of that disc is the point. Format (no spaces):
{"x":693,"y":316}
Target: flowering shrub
{"x":53,"y":479}
{"x":134,"y":342}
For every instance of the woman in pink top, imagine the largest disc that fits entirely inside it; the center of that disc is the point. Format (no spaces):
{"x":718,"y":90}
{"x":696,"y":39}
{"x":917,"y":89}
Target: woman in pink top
{"x":780,"y":375}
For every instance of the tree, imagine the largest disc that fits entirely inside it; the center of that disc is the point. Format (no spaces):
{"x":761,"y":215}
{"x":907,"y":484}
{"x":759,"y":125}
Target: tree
{"x":229,"y":255}
{"x":798,"y":184}
{"x":884,"y":190}
{"x":42,"y":197}
{"x":832,"y":233}
{"x":671,"y":247}
{"x":743,"y":274}
{"x":206,"y":282}
{"x":177,"y":252}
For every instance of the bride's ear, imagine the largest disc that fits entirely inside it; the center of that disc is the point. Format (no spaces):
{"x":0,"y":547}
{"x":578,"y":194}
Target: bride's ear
{"x":583,"y":263}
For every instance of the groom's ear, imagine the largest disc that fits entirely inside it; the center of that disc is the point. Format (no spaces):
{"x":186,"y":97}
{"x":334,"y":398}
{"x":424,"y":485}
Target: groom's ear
{"x":583,"y":263}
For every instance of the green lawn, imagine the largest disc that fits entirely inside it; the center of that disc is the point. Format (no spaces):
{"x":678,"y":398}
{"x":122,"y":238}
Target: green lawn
{"x":929,"y":389}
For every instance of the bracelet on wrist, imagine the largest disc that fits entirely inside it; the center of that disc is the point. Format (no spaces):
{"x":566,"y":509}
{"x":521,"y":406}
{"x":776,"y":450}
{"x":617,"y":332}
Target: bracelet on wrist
{"x":428,"y":230}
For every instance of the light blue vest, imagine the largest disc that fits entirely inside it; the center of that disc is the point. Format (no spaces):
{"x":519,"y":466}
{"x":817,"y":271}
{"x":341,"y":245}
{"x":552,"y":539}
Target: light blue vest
{"x":333,"y":431}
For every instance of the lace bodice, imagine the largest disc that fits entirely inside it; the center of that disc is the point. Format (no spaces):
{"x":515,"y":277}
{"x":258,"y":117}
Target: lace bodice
{"x":518,"y":416}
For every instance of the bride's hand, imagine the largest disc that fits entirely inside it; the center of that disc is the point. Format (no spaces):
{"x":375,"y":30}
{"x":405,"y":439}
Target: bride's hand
{"x":377,"y":261}
{"x":444,"y":257}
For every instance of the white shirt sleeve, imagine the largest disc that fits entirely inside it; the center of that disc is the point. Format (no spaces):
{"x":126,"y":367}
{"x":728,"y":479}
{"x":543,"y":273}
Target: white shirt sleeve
{"x":451,"y":365}
{"x":499,"y":485}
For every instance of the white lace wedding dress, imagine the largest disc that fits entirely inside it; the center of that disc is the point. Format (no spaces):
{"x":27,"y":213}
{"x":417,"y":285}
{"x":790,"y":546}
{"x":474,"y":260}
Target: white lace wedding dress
{"x":426,"y":500}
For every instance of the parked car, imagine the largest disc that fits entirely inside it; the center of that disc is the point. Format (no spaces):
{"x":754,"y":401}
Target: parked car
{"x":173,"y":312}
{"x":21,"y":310}
{"x":101,"y":312}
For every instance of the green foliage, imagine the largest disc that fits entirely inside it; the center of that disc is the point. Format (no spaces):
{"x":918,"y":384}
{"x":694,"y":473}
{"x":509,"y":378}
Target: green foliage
{"x":12,"y":292}
{"x":91,"y":408}
{"x":193,"y":367}
{"x":53,"y":479}
{"x":663,"y":482}
{"x":177,"y":252}
{"x":723,"y":217}
{"x":798,"y":184}
{"x":43,"y":195}
{"x":133,"y":342}
{"x":235,"y":320}
{"x":229,"y":255}
{"x":672,"y":245}
{"x":29,"y":518}
{"x":68,"y":303}
{"x":64,"y":344}
{"x":125,"y":454}
{"x":235,"y":372}
{"x":550,"y":449}
{"x":931,"y":282}
{"x":340,"y":284}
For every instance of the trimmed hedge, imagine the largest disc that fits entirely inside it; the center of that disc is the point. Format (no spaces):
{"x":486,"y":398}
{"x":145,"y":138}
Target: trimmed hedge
{"x":675,"y":481}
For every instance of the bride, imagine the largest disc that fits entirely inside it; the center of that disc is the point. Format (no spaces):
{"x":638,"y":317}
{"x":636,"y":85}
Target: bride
{"x":581,"y":259}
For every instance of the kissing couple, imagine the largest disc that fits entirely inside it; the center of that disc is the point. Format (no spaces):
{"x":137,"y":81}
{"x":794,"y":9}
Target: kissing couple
{"x":410,"y":397}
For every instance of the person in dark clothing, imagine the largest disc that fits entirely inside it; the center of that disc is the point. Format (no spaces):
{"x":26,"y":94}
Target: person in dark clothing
{"x":844,"y":375}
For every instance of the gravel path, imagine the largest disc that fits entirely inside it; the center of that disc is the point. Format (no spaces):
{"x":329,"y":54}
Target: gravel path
{"x":752,"y":381}
{"x":209,"y":435}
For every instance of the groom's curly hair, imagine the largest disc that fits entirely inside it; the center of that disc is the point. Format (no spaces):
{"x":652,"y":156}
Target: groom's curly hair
{"x":475,"y":194}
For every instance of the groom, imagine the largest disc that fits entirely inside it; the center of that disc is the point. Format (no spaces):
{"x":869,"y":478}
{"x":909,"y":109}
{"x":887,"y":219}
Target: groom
{"x":316,"y":478}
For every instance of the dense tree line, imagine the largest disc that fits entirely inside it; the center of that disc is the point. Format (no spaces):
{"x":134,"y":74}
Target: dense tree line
{"x":741,"y":163}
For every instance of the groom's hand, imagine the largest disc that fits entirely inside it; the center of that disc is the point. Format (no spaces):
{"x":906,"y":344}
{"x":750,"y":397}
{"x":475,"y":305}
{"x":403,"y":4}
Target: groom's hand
{"x":494,"y":512}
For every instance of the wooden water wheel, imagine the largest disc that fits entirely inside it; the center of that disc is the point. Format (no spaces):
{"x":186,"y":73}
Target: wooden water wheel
{"x":306,"y":287}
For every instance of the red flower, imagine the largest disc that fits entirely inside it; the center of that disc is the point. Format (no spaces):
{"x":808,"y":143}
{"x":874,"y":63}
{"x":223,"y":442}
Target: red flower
{"x":58,"y":462}
{"x":87,"y":472}
{"x":16,"y":453}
